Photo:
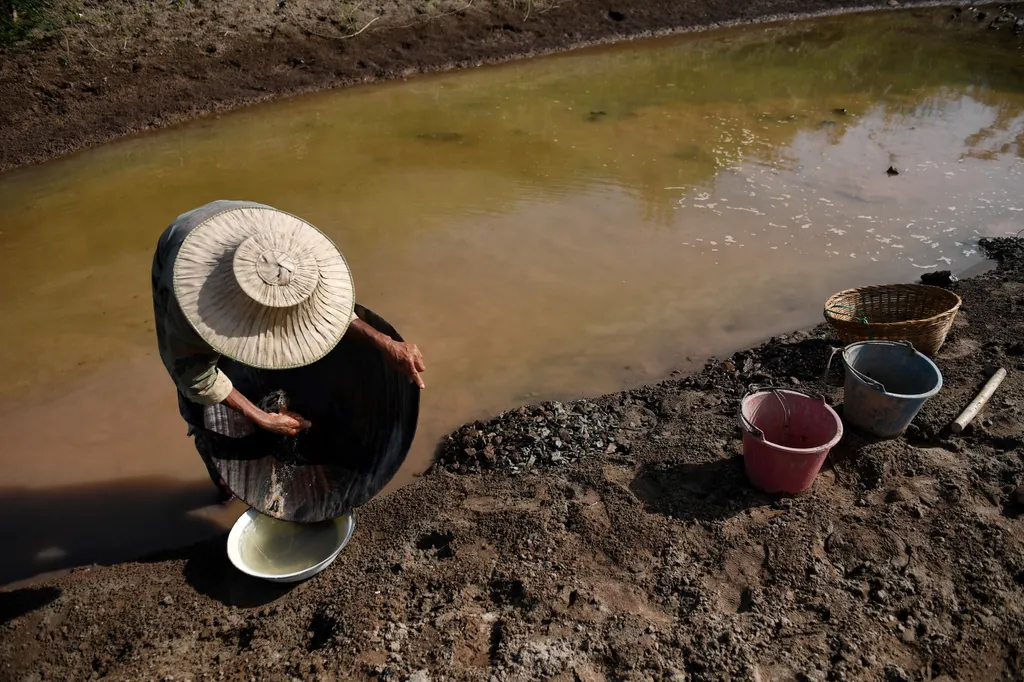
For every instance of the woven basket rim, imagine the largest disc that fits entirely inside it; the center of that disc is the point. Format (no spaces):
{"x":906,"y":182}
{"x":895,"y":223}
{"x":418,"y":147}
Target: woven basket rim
{"x":919,"y":321}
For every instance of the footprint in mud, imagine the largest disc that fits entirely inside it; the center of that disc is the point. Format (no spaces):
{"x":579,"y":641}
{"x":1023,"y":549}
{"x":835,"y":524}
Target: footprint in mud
{"x":438,"y":543}
{"x":854,"y":544}
{"x":321,"y":630}
{"x":961,"y":348}
{"x":241,"y":637}
{"x":737,"y":584}
{"x":508,"y":592}
{"x":497,"y":637}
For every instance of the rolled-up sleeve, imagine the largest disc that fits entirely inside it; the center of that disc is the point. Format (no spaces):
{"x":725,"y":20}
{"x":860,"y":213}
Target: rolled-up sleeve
{"x":190,"y":360}
{"x":201,"y":382}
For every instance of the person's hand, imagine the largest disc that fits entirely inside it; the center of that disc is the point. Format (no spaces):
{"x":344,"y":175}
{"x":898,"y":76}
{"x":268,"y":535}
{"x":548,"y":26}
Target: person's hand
{"x":407,"y":359}
{"x":285,"y":424}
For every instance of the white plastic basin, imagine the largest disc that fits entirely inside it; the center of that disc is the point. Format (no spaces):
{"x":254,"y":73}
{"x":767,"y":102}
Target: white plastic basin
{"x":285,"y":552}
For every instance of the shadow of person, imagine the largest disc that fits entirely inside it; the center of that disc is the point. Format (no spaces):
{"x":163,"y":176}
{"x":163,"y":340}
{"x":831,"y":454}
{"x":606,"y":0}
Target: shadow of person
{"x":703,"y":491}
{"x":102,"y":523}
{"x":209,"y":572}
{"x":16,"y":604}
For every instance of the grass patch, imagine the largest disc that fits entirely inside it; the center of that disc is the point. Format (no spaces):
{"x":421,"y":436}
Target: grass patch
{"x":19,"y":17}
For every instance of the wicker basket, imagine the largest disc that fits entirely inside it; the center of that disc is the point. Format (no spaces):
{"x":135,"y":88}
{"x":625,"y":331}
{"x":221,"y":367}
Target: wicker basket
{"x":916,"y":313}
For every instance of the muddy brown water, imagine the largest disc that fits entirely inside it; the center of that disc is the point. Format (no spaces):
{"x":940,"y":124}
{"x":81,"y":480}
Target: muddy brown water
{"x":552,"y":228}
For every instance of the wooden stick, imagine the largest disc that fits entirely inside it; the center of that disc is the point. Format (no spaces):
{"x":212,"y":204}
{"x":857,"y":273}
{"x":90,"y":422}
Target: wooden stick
{"x":979,"y":402}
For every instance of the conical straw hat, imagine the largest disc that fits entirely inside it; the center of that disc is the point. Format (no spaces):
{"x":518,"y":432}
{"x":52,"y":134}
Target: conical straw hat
{"x":264,"y":288}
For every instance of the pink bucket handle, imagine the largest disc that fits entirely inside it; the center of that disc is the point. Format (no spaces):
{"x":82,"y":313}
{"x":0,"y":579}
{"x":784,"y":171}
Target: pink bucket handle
{"x":748,"y":425}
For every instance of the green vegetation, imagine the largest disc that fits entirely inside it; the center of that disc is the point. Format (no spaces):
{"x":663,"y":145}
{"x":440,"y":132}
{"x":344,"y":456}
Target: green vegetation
{"x":19,"y":17}
{"x":23,"y":19}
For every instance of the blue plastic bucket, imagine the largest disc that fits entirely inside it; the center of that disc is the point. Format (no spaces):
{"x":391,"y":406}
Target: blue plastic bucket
{"x":887,"y":383}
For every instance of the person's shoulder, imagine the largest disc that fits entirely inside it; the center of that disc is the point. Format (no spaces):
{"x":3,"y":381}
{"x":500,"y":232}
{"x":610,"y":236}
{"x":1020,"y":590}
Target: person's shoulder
{"x":181,"y":226}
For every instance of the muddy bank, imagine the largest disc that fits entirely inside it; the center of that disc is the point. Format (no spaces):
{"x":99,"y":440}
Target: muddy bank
{"x":79,"y":74}
{"x":649,"y":557}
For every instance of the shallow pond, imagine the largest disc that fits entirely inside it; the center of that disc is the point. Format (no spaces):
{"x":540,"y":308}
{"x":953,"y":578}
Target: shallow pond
{"x":557,"y":227}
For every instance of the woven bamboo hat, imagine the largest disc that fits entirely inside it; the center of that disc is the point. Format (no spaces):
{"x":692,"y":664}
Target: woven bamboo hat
{"x":264,"y":288}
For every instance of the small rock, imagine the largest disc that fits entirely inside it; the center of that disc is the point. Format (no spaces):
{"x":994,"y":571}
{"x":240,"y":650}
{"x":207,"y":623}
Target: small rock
{"x":943,"y":278}
{"x":861,"y":590}
{"x":896,"y":495}
{"x":892,"y":171}
{"x":894,"y":673}
{"x":168,"y":600}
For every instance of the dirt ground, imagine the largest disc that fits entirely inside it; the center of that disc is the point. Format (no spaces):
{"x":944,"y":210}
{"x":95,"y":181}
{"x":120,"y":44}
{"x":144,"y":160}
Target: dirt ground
{"x":83,"y":71}
{"x":649,"y":557}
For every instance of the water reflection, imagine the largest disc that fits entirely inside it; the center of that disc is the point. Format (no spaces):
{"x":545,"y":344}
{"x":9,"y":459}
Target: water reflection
{"x":555,"y":227}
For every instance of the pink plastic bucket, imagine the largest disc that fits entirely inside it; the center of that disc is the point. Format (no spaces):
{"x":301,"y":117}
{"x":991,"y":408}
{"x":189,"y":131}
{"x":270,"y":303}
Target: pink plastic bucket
{"x":787,"y":434}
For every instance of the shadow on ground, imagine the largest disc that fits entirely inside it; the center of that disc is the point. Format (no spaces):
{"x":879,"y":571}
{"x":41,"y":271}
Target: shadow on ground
{"x":106,"y":523}
{"x":209,"y":572}
{"x":17,"y":604}
{"x":705,"y":491}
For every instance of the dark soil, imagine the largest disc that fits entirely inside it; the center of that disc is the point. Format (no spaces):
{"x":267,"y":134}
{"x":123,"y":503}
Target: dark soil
{"x":90,"y":71}
{"x":618,"y":538}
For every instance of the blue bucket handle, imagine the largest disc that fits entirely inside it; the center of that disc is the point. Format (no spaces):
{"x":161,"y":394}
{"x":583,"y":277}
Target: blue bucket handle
{"x":868,"y":380}
{"x":748,"y":425}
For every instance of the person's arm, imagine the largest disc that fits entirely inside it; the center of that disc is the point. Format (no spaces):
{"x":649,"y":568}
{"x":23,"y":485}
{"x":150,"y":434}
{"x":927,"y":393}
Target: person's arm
{"x":193,"y":366}
{"x":406,"y":357}
{"x":286,"y":423}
